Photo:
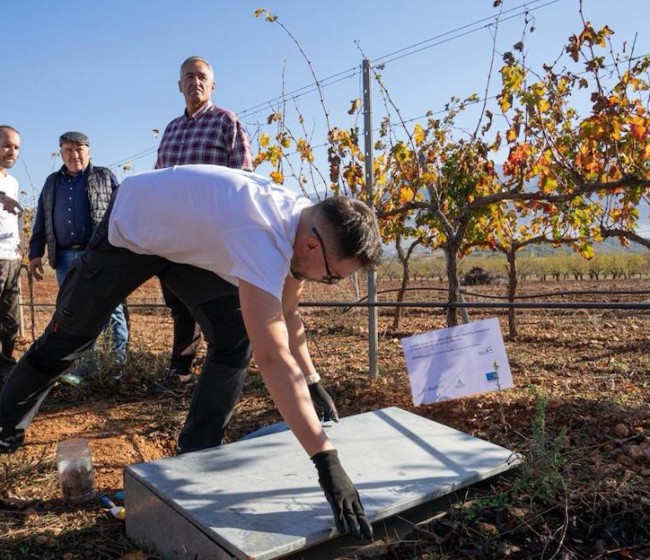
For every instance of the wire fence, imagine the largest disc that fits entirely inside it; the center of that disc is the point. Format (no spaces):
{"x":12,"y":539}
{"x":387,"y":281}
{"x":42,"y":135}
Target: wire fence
{"x":496,"y":302}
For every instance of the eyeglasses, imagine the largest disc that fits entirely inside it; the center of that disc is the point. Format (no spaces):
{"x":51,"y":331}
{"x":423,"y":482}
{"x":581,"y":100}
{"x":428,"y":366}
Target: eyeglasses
{"x":330,"y":278}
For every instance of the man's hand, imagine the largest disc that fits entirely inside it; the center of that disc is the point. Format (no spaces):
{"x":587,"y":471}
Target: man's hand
{"x":36,"y":268}
{"x":10,"y":205}
{"x":341,"y":495}
{"x":323,"y":403}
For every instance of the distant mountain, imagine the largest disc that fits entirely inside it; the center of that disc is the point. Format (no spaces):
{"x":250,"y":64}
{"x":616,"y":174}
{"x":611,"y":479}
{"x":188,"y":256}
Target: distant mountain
{"x":607,"y":247}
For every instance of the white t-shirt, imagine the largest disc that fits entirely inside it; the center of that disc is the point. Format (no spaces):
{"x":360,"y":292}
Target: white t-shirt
{"x":236,"y":224}
{"x":9,"y":235}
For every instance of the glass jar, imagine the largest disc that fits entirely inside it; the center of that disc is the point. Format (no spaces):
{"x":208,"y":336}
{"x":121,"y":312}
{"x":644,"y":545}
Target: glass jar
{"x":75,"y":467}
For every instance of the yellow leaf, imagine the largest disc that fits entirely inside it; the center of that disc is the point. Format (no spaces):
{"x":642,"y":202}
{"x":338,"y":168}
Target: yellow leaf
{"x":418,"y":134}
{"x":549,"y":185}
{"x":304,"y":149}
{"x":277,"y":177}
{"x":505,"y":102}
{"x":354,"y":106}
{"x":264,"y":139}
{"x":405,"y":195}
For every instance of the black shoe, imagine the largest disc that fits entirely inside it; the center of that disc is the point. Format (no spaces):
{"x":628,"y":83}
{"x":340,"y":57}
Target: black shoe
{"x":180,"y":376}
{"x":9,"y":444}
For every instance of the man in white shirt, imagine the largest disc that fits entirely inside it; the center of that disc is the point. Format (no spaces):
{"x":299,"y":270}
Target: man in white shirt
{"x":237,"y":255}
{"x":10,"y":253}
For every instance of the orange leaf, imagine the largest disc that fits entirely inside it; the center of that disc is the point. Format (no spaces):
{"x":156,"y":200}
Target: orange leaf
{"x":639,"y":132}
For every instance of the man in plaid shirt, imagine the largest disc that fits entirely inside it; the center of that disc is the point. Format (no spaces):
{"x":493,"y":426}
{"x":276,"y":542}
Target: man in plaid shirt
{"x":204,"y":133}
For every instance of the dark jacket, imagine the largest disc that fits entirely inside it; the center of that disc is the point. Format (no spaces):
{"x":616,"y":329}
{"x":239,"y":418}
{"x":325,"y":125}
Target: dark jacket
{"x":100,"y":184}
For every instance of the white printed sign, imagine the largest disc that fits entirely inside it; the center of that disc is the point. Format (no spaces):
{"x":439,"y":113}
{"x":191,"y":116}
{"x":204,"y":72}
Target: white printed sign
{"x":456,"y":362}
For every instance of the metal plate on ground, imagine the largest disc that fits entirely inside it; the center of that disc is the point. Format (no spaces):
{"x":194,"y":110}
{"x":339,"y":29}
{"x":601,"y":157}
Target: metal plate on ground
{"x":260,"y":499}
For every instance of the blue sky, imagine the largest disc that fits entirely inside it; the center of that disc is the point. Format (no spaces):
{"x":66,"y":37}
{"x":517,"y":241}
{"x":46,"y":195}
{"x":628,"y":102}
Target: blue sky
{"x":110,"y":69}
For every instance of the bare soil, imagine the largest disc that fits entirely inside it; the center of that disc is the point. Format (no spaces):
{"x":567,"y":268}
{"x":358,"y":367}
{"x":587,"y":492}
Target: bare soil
{"x":579,"y":413}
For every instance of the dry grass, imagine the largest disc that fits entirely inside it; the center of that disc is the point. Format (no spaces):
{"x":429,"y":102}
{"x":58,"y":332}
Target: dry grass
{"x":579,"y":414}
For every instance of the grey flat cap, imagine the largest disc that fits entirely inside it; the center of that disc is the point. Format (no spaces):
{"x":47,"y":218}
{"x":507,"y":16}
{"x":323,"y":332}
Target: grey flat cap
{"x":75,"y":137}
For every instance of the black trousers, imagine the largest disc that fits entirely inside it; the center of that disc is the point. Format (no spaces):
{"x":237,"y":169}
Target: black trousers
{"x":187,"y":334}
{"x":103,"y":277}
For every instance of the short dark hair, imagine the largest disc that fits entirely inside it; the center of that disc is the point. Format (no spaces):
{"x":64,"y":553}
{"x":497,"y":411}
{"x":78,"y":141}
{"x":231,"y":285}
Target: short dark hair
{"x":5,"y":127}
{"x":353,"y":228}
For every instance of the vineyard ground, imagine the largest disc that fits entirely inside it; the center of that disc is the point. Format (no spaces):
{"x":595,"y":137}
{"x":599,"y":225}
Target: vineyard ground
{"x":579,"y":413}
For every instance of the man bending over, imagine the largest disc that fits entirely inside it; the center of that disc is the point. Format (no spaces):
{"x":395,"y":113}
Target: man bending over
{"x":237,"y":256}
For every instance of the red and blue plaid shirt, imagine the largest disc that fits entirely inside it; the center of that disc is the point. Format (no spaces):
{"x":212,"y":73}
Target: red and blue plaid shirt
{"x":211,"y":135}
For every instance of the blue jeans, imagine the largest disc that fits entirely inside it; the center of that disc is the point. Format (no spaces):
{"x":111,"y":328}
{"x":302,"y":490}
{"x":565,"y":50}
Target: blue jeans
{"x":65,"y":258}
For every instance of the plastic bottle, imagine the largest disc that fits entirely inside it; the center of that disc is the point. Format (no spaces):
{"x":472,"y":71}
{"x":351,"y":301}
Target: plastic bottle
{"x":75,"y":467}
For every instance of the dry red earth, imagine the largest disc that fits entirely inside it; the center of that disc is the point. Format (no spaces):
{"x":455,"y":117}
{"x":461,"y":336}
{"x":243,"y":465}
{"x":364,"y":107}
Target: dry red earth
{"x":579,"y":414}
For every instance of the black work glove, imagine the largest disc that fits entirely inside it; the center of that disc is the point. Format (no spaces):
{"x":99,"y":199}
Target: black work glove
{"x":323,"y":403}
{"x":341,"y":495}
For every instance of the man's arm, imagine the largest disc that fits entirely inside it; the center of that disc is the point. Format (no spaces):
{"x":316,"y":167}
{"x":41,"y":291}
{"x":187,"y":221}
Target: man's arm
{"x":10,"y":205}
{"x":295,"y":327}
{"x":269,"y":336}
{"x":300,"y":351}
{"x":37,"y":242}
{"x":267,"y":331}
{"x":240,"y":156}
{"x":114,"y":182}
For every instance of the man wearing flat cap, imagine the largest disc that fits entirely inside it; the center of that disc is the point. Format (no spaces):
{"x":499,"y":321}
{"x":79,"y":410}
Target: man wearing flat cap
{"x":70,"y":206}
